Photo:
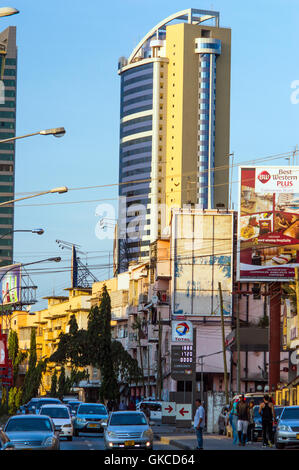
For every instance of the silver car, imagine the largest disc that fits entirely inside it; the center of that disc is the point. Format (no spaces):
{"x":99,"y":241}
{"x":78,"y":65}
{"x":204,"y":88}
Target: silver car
{"x":287,"y":431}
{"x":32,"y":432}
{"x":128,"y":429}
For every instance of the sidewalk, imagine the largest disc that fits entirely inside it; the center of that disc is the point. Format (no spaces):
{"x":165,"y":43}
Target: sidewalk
{"x":185,"y":439}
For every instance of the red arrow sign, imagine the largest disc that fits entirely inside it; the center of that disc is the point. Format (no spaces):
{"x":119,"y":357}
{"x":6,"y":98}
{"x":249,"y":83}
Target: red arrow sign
{"x":169,"y":409}
{"x":183,"y":411}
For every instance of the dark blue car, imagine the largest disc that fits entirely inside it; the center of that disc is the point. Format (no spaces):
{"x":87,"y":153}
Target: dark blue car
{"x":258,"y":430}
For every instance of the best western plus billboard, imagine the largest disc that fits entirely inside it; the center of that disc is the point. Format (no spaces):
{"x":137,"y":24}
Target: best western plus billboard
{"x":268,"y":228}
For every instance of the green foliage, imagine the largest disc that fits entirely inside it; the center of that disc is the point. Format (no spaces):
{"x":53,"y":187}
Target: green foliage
{"x":72,"y":346}
{"x":34,"y":373}
{"x":12,"y":400}
{"x":15,"y":354}
{"x":3,"y":408}
{"x":62,"y":384}
{"x":94,"y":347}
{"x":53,"y":390}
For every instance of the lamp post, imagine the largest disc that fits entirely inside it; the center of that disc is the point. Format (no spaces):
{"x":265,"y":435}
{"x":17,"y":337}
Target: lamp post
{"x":56,"y":131}
{"x":38,"y":231}
{"x":8,"y":11}
{"x":60,"y":190}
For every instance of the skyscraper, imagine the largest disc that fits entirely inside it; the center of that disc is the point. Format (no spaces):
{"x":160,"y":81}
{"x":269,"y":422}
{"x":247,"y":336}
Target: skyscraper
{"x":8,"y":71}
{"x":174,"y":128}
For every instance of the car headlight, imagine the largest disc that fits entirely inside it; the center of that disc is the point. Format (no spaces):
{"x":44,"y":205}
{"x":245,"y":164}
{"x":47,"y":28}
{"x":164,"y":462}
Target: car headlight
{"x":50,"y":441}
{"x":112,"y":434}
{"x":81,"y":420}
{"x":147,"y":434}
{"x":284,"y":427}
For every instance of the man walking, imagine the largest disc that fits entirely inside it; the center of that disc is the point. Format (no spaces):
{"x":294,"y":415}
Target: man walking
{"x":266,"y":410}
{"x":251,"y":423}
{"x":199,"y":423}
{"x":243,"y":420}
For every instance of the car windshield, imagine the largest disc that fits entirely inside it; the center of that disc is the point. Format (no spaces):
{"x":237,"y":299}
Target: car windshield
{"x":55,"y":412}
{"x":92,"y":410}
{"x":47,"y":402}
{"x":128,"y":419}
{"x":28,"y":424}
{"x":277,"y":411}
{"x":290,"y":413}
{"x":151,"y":406}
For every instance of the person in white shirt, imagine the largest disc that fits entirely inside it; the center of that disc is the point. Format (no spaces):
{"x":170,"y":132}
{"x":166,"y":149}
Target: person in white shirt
{"x":199,"y":423}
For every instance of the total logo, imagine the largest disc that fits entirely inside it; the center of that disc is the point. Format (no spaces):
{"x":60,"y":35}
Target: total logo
{"x":182,"y":329}
{"x":264,"y":177}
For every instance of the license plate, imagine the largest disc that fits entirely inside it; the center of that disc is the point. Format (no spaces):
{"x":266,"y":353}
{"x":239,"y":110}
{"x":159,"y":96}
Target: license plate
{"x":129,"y":443}
{"x":93,"y":425}
{"x":297,"y":436}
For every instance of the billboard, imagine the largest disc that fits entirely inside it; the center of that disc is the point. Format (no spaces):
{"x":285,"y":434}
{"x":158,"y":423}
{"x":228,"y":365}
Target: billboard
{"x":268,"y":225}
{"x":202,"y":256}
{"x":182,"y":331}
{"x":10,"y":284}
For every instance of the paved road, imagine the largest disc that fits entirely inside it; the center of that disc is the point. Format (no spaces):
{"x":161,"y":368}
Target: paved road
{"x":96,"y":442}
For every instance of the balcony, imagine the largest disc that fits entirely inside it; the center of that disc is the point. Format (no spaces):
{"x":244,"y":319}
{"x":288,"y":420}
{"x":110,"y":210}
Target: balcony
{"x":142,"y":301}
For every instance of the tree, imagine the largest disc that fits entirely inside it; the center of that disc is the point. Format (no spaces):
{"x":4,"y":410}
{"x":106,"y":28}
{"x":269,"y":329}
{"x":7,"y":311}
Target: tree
{"x":34,"y":373}
{"x":62,"y":385}
{"x":15,"y":354}
{"x":109,"y":386}
{"x":53,"y":390}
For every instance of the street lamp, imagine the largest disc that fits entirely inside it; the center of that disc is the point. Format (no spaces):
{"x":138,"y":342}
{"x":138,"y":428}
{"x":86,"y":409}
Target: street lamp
{"x":60,"y":190}
{"x":38,"y":231}
{"x":8,"y":11}
{"x":57,"y":132}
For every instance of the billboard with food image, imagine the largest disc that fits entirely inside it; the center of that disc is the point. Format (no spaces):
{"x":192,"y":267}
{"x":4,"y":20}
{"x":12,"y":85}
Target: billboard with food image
{"x":268,"y":228}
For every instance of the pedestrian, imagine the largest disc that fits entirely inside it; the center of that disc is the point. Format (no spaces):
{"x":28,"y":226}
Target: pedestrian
{"x":266,"y":410}
{"x":233,"y":419}
{"x":131,"y":406}
{"x":250,"y":423}
{"x":146,"y":410}
{"x":243,"y":420}
{"x":123,"y":406}
{"x":199,"y":423}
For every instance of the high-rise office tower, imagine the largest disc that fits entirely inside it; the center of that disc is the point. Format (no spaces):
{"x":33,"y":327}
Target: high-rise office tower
{"x":8,"y":78}
{"x":174,"y":128}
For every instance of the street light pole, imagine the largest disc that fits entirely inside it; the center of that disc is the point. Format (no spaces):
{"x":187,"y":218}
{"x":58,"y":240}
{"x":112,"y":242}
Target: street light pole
{"x":38,"y":231}
{"x":56,"y":132}
{"x":60,"y":190}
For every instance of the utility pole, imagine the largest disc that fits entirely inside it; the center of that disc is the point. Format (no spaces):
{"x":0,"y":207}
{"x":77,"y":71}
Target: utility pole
{"x":201,"y":379}
{"x":238,"y":347}
{"x":223,"y":344}
{"x":159,"y":359}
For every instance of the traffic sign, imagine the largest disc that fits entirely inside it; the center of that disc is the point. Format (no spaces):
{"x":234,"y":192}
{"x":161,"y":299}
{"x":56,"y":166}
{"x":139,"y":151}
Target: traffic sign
{"x":168,"y":409}
{"x":184,"y":411}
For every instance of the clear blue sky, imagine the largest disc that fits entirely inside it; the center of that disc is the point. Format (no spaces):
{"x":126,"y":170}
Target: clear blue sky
{"x":67,"y":76}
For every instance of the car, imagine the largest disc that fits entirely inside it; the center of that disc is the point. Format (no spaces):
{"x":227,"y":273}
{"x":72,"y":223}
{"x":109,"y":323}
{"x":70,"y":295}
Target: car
{"x":5,"y":443}
{"x":90,"y":418}
{"x":45,"y":401}
{"x":257,"y":418}
{"x":32,"y":432}
{"x":29,"y":407}
{"x":73,"y":407}
{"x":69,"y":398}
{"x":128,"y":429}
{"x":61,"y":417}
{"x":154,"y":407}
{"x":258,"y":429}
{"x":287,"y":431}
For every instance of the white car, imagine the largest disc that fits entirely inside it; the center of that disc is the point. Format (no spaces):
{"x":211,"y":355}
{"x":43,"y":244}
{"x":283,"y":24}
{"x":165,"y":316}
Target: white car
{"x":61,"y":418}
{"x":154,"y":407}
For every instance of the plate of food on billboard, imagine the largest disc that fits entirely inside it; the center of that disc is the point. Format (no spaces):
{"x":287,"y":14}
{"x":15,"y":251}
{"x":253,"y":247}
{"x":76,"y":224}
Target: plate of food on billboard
{"x":268,"y":228}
